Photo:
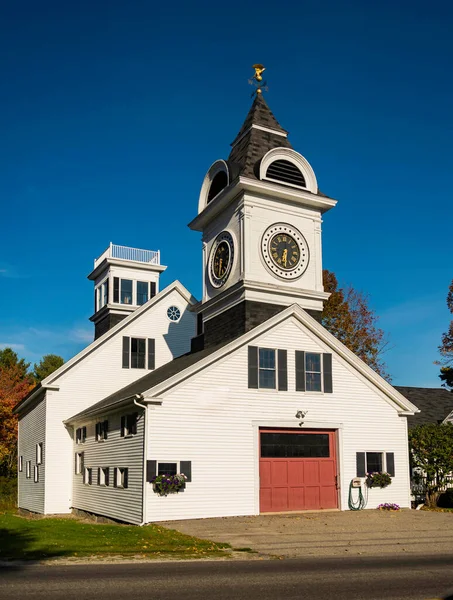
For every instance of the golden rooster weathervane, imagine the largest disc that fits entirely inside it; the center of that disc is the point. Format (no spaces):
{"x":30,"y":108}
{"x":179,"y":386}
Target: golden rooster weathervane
{"x":257,"y":79}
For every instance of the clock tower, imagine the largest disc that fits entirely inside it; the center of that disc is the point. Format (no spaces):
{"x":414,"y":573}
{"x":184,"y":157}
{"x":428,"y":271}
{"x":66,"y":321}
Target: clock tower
{"x":260,"y":214}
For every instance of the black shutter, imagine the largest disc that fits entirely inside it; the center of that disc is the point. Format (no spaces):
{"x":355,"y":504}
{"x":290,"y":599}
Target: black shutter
{"x":77,"y":435}
{"x":106,"y":428}
{"x":390,"y":460}
{"x":98,"y":435}
{"x":327,"y":373}
{"x":282,"y":370}
{"x":153,"y":289}
{"x":107,"y":472}
{"x":84,"y":433}
{"x":186,"y":468}
{"x":300,"y":371}
{"x":361,"y":467}
{"x":90,"y":476}
{"x":115,"y":477}
{"x":125,"y":477}
{"x":99,"y":475}
{"x":253,"y":367}
{"x":125,"y":352}
{"x":116,"y":289}
{"x":123,"y":425}
{"x":82,"y":461}
{"x":75,"y":463}
{"x":151,"y":353}
{"x":151,"y":470}
{"x":133,"y":424}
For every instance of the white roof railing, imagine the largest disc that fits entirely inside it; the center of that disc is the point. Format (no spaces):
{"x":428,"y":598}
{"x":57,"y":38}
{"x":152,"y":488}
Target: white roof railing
{"x":133,"y":254}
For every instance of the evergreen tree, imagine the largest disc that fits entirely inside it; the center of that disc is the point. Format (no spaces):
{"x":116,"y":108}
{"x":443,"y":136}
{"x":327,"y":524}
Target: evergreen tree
{"x":47,"y":365}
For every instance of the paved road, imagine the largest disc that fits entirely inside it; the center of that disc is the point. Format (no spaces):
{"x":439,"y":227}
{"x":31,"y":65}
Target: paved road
{"x":397,"y":578}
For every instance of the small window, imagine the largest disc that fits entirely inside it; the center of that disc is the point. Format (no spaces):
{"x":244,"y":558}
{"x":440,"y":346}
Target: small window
{"x":129,"y":424}
{"x":79,"y":463}
{"x":101,"y":431}
{"x":167,"y":468}
{"x":103,"y":476}
{"x":21,"y":464}
{"x":39,"y":453}
{"x":121,"y":477}
{"x":138,"y":353}
{"x":313,"y":379}
{"x":374,"y":462}
{"x":173,"y":313}
{"x":286,"y":172}
{"x":102,"y":294}
{"x":219,"y":182}
{"x":81,"y":435}
{"x":126,"y":291}
{"x":267,"y":373}
{"x":28,"y":469}
{"x":36,"y":473}
{"x":88,"y":476}
{"x":142,"y":292}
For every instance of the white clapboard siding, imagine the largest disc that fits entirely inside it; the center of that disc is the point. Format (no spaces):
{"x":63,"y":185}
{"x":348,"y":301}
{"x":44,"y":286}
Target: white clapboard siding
{"x":115,"y":451}
{"x":32,"y":431}
{"x":213,"y":418}
{"x":98,"y":375}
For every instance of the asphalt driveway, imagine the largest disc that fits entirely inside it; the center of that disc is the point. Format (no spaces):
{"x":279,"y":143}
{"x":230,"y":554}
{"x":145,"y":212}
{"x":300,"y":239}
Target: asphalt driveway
{"x":367,"y":533}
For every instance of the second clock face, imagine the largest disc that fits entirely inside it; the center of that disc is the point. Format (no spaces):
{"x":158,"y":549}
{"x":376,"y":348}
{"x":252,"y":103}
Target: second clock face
{"x":285,"y":251}
{"x":221,"y":261}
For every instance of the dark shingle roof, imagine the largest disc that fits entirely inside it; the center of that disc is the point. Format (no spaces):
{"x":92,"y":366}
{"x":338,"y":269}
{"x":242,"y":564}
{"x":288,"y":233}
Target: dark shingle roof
{"x":150,"y":380}
{"x":435,"y":404}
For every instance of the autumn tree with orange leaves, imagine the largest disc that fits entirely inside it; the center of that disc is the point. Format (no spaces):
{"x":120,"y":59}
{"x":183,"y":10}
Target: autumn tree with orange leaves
{"x":347,"y":316}
{"x":15,"y":383}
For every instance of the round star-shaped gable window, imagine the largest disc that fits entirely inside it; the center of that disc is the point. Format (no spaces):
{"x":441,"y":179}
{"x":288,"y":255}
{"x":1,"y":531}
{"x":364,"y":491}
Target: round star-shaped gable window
{"x":173,"y":313}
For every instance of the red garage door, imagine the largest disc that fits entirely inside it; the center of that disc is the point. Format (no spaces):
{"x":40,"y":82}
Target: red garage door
{"x":297,"y":470}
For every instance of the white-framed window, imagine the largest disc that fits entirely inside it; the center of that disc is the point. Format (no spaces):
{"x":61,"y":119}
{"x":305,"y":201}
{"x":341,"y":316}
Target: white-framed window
{"x":36,"y":474}
{"x":102,"y":294}
{"x":129,"y":424}
{"x":21,"y":464}
{"x":28,"y":469}
{"x":173,"y":313}
{"x":138,"y":353}
{"x":79,"y":463}
{"x":39,"y":453}
{"x":103,"y":476}
{"x":313,"y":372}
{"x":88,"y":476}
{"x":121,"y":476}
{"x":81,"y":435}
{"x":167,"y":468}
{"x":267,"y":372}
{"x":375,"y":462}
{"x":101,"y":430}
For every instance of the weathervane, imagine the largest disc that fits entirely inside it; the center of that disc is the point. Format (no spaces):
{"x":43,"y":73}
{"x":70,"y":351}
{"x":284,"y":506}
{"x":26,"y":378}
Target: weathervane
{"x":257,"y":79}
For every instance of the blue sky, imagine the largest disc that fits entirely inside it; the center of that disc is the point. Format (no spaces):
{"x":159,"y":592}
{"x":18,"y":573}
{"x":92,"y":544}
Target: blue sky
{"x":111,"y":113}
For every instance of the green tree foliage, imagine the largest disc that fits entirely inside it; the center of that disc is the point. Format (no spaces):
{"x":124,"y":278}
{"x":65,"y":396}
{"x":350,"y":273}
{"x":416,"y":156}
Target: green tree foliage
{"x":348,"y":317}
{"x":47,"y":365}
{"x":446,"y":349}
{"x":9,"y":358}
{"x":431,"y":450}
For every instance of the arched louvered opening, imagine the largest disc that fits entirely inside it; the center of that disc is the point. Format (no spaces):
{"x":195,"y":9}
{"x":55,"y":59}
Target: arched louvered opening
{"x":286,"y":172}
{"x":219,"y":182}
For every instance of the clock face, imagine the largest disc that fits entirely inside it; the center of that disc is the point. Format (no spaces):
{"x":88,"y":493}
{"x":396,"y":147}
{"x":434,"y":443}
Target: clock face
{"x":285,"y":251}
{"x":221,"y":261}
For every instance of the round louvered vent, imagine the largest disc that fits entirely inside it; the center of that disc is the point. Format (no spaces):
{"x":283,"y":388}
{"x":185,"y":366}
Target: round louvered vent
{"x":286,"y":172}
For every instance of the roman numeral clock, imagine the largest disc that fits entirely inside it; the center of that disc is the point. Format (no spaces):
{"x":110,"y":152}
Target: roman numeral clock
{"x":285,"y":251}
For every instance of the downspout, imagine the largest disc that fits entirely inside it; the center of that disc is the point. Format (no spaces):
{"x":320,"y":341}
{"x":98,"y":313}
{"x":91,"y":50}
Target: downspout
{"x":145,"y":454}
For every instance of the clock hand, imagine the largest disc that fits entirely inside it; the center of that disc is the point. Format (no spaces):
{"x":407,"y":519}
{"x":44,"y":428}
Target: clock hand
{"x":285,"y":255}
{"x":220,"y":267}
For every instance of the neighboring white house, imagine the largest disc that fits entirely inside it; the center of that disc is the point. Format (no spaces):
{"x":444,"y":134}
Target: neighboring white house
{"x":245,"y":392}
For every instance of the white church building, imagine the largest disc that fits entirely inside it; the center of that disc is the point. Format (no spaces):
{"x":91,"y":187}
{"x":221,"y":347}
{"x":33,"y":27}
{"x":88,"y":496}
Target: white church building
{"x":245,"y":392}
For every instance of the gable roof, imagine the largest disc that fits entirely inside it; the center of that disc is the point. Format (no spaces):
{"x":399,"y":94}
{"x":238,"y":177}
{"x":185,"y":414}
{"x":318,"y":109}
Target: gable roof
{"x":435,"y":404}
{"x":179,"y":369}
{"x":50,"y":381}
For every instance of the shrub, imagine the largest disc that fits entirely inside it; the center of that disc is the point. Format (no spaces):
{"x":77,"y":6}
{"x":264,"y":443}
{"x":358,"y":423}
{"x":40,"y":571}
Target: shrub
{"x":8,"y":493}
{"x":381,"y":480}
{"x":446,"y":499}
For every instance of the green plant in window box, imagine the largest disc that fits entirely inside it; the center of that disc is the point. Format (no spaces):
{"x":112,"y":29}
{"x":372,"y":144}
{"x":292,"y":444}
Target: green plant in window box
{"x":168,"y":484}
{"x":380,"y":480}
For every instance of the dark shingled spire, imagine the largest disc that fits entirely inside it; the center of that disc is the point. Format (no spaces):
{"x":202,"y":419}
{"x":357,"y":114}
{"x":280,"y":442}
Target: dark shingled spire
{"x":251,"y":144}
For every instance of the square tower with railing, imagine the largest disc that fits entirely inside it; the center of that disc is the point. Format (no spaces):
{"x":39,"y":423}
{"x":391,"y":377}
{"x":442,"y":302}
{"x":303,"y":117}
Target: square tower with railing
{"x":124,"y":279}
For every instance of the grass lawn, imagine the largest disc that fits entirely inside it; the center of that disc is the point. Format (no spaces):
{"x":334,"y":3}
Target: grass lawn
{"x":40,"y":539}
